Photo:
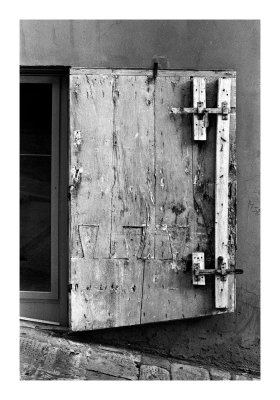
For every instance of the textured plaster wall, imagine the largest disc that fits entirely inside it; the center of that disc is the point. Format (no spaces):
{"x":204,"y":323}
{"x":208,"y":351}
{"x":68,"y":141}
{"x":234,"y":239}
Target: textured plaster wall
{"x":231,"y":341}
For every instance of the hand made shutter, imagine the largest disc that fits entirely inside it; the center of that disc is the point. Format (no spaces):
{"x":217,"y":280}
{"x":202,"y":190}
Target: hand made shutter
{"x":152,"y":196}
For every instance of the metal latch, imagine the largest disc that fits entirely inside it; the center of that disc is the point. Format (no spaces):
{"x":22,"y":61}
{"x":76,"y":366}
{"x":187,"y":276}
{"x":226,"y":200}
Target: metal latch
{"x":199,"y":272}
{"x":199,"y":110}
{"x":202,"y":111}
{"x":202,"y":114}
{"x":198,"y":265}
{"x":225,"y":110}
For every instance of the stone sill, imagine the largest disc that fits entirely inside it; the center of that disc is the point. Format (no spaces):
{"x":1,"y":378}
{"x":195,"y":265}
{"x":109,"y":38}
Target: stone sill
{"x":47,"y":354}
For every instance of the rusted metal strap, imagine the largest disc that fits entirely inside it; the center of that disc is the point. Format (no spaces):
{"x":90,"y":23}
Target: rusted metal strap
{"x":222,"y":272}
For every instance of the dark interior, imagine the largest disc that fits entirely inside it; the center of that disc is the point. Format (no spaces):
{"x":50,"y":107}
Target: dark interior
{"x":35,"y":186}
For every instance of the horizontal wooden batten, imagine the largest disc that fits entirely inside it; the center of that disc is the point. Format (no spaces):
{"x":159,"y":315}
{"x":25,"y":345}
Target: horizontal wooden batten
{"x":149,"y":72}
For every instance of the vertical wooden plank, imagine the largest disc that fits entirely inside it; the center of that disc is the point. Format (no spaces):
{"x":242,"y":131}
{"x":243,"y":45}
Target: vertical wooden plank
{"x":232,"y":199}
{"x":203,"y":177}
{"x":91,"y":113}
{"x":185,"y":177}
{"x":91,"y":142}
{"x":173,"y":170}
{"x":112,"y":206}
{"x":221,"y":195}
{"x":203,"y":180}
{"x":133,"y":193}
{"x":199,"y":96}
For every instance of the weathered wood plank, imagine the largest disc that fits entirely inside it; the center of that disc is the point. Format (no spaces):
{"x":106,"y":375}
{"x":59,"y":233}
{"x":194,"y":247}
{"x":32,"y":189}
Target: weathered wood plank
{"x":111,"y":72}
{"x":191,"y":73}
{"x":91,"y":112}
{"x":149,"y":72}
{"x":105,"y":293}
{"x":133,"y":193}
{"x":146,"y":191}
{"x":185,"y":176}
{"x":168,"y":293}
{"x":174,"y":198}
{"x":203,"y":182}
{"x":232,"y":210}
{"x":221,"y":194}
{"x":199,"y":99}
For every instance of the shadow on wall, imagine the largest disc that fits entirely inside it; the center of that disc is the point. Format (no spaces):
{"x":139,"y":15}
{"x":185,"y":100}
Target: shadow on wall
{"x":227,"y":341}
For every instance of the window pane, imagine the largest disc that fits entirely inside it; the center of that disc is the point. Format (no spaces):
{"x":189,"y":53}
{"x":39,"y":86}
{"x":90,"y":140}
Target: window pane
{"x":35,"y":188}
{"x":35,"y":118}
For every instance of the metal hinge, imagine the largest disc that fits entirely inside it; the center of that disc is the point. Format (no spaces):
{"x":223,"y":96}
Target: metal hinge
{"x":199,"y":272}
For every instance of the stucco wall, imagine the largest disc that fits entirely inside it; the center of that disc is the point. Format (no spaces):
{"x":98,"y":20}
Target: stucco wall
{"x":231,"y":341}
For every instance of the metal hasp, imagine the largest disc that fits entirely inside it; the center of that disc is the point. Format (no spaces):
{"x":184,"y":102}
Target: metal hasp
{"x":200,"y":111}
{"x":198,"y":266}
{"x":200,"y":272}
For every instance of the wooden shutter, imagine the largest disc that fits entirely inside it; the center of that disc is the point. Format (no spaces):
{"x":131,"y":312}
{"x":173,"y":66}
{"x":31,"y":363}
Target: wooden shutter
{"x":142,"y":197}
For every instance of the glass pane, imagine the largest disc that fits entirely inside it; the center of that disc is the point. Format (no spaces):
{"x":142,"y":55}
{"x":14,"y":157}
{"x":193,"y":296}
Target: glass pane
{"x":35,"y":189}
{"x":35,"y":118}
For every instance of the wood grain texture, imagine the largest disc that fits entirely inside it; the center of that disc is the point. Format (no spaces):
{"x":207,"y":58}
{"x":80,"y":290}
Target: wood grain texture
{"x":199,"y":96}
{"x":232,"y":186}
{"x":203,"y":180}
{"x":100,"y":227}
{"x":168,"y":293}
{"x":173,"y":170}
{"x":133,"y":192}
{"x":105,"y":293}
{"x":145,"y":201}
{"x":232,"y":202}
{"x":91,"y":112}
{"x":185,"y":196}
{"x":221,"y":198}
{"x":149,"y":72}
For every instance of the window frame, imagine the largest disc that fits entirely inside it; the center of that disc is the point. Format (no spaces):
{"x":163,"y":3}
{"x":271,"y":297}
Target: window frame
{"x":55,"y":151}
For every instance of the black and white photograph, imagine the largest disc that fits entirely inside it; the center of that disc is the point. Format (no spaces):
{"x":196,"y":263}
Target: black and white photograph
{"x":139,"y":200}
